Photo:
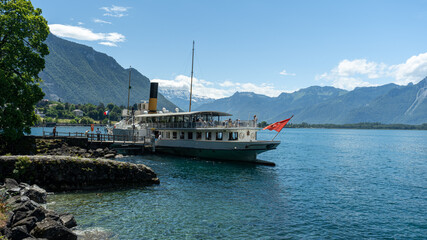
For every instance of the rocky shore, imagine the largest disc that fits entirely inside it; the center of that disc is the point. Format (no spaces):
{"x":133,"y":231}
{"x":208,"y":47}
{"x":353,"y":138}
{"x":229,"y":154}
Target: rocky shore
{"x":63,"y":148}
{"x":27,"y":219}
{"x":65,"y":173}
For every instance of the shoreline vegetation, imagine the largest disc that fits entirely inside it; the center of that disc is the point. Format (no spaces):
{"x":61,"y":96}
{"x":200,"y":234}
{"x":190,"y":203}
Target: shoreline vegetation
{"x":63,"y":114}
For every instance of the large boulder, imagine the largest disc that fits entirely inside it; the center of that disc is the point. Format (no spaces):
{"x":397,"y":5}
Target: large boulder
{"x":29,"y":223}
{"x":20,"y":232}
{"x":68,"y":220}
{"x":35,"y":193}
{"x":52,"y":230}
{"x":10,"y":183}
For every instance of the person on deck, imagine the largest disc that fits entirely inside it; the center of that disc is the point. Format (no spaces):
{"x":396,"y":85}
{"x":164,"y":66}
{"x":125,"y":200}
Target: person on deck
{"x":54,"y":131}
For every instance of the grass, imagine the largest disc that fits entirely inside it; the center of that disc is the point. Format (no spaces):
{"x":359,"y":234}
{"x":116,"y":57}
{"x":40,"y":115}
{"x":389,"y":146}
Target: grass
{"x":3,"y":210}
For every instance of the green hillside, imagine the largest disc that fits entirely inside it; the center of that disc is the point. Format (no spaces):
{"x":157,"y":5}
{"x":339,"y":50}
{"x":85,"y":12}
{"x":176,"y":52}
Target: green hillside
{"x":77,"y":73}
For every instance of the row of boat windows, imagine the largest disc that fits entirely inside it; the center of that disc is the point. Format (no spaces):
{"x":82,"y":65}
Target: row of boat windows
{"x":199,"y":135}
{"x":191,"y":118}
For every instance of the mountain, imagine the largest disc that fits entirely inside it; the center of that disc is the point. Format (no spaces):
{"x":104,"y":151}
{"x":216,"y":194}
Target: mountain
{"x":386,"y":104}
{"x":181,"y":97}
{"x":77,"y":73}
{"x":246,"y":104}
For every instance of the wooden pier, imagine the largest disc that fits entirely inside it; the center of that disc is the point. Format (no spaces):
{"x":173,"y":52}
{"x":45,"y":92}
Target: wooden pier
{"x":119,"y":142}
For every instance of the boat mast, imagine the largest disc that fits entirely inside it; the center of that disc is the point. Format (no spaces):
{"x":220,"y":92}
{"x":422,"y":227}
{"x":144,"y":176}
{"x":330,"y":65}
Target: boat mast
{"x":191,"y":85}
{"x":130,"y":70}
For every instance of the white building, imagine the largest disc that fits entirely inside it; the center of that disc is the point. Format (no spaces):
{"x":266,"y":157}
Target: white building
{"x":78,"y":113}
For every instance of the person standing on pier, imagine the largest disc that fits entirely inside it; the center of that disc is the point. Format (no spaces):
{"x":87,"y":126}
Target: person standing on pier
{"x":98,"y":134}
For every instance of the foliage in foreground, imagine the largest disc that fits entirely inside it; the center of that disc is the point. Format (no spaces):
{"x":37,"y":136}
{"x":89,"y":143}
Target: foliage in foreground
{"x":22,"y":33}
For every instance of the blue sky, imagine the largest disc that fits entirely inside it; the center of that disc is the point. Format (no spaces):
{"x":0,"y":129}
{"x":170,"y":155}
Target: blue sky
{"x":267,"y":47}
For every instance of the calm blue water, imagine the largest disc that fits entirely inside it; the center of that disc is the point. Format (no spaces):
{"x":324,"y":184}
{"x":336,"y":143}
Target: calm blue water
{"x":328,"y":184}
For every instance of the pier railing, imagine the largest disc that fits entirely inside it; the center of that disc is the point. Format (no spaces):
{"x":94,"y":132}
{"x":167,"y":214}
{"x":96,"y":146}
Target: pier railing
{"x":95,"y":137}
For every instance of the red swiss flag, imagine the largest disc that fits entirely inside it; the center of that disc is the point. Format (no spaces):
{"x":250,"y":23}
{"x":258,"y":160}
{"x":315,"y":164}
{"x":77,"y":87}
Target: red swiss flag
{"x":277,"y":126}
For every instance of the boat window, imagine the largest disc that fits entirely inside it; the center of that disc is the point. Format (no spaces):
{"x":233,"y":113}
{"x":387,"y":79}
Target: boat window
{"x":219,"y":136}
{"x":168,"y":135}
{"x":190,"y":135}
{"x":198,"y":135}
{"x":233,"y":136}
{"x":181,"y":135}
{"x":174,"y":135}
{"x":208,"y":136}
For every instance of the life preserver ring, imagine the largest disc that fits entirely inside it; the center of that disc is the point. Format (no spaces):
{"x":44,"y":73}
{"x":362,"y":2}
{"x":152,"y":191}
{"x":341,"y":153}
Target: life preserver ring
{"x":241,"y":135}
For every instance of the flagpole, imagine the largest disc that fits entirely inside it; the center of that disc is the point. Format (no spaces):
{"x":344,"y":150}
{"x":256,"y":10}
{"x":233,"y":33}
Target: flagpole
{"x":287,"y":120}
{"x":275,"y":136}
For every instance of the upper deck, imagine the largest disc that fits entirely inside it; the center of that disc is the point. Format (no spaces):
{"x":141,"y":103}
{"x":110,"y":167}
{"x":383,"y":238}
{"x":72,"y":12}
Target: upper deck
{"x":198,"y":119}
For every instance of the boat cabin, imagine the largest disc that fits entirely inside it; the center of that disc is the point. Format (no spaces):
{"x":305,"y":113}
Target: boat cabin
{"x":198,"y":126}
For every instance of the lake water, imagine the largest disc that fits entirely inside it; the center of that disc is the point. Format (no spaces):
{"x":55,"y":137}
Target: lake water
{"x":327,"y":184}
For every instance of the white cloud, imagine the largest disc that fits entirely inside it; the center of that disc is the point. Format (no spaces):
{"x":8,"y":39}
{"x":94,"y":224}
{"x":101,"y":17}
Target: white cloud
{"x":115,"y":11}
{"x":80,"y":23}
{"x":350,"y":74}
{"x":284,"y":73}
{"x":413,"y":70}
{"x":211,"y":90}
{"x":80,"y":33}
{"x":110,"y":44}
{"x":360,"y":66}
{"x":227,"y":84}
{"x":96,"y":20}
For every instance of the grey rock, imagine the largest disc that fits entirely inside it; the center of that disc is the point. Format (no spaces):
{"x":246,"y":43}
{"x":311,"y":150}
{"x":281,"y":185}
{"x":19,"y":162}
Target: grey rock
{"x":18,"y":216}
{"x":51,"y":229}
{"x":10,"y":183}
{"x":13,"y":191}
{"x":29,"y":223}
{"x":35,"y":193}
{"x":110,"y":155}
{"x":68,"y":220}
{"x":16,"y":200}
{"x":19,"y":232}
{"x":52,"y":215}
{"x":24,"y":185}
{"x":39,"y":213}
{"x":26,"y":206}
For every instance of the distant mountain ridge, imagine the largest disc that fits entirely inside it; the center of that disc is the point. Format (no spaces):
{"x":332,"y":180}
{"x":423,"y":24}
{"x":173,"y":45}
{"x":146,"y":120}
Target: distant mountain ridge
{"x":77,"y":73}
{"x":181,"y":97}
{"x":389,"y":103}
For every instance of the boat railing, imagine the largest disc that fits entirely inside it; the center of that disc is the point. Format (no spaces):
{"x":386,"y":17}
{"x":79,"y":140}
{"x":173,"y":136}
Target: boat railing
{"x":202,"y":124}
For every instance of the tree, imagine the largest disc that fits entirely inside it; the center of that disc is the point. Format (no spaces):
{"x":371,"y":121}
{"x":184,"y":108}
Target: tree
{"x":22,"y":33}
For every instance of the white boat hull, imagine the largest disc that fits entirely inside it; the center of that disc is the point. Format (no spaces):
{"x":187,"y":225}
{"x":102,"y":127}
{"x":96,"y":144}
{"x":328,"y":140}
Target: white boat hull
{"x":231,"y":151}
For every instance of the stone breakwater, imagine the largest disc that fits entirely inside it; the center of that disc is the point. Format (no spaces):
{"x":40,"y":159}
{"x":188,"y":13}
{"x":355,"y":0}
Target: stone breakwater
{"x":28,"y":219}
{"x":66,"y":173}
